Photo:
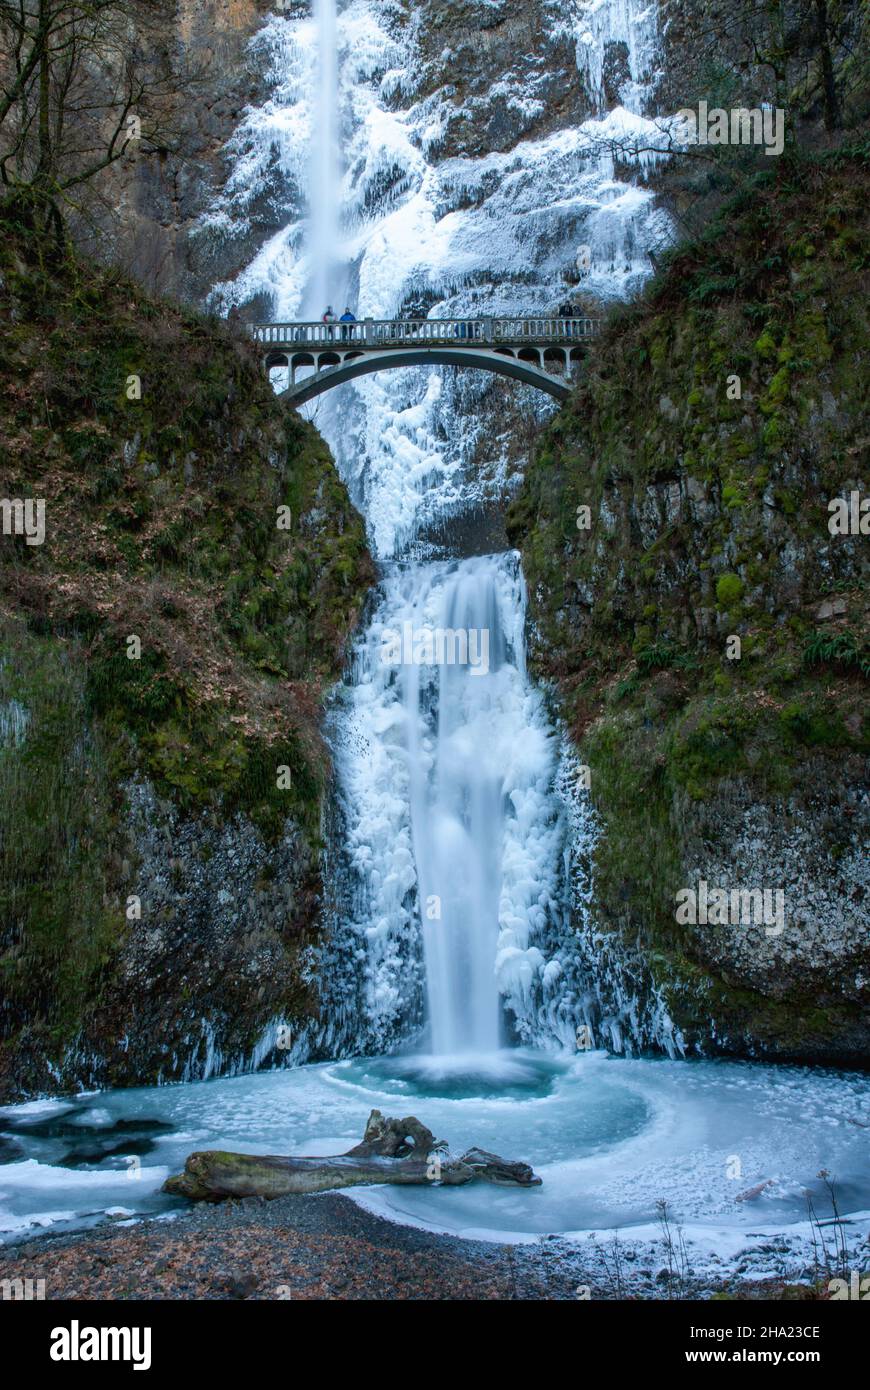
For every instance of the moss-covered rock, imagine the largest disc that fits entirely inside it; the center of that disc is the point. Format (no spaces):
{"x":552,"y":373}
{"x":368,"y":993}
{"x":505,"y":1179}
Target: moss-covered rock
{"x":707,"y":636}
{"x":163,"y":656}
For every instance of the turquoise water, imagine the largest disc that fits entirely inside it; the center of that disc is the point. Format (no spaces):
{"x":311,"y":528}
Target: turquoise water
{"x":609,"y":1137}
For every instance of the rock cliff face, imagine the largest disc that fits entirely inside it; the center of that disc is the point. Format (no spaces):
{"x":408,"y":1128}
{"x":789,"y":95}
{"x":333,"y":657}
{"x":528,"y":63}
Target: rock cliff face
{"x":163,"y":653}
{"x":156,"y":197}
{"x":708,"y":633}
{"x":489,"y":76}
{"x":475,"y":167}
{"x":470,"y":183}
{"x":503,"y":73}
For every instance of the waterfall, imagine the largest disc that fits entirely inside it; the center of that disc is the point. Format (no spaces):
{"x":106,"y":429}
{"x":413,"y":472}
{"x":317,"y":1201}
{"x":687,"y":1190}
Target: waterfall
{"x":324,"y":177}
{"x":457,"y":815}
{"x":452,"y":837}
{"x":450,"y":870}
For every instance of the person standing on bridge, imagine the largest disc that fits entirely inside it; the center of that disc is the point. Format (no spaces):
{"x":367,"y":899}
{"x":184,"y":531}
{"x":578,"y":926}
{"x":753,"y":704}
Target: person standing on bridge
{"x":347,"y":317}
{"x":328,"y":317}
{"x":566,"y":312}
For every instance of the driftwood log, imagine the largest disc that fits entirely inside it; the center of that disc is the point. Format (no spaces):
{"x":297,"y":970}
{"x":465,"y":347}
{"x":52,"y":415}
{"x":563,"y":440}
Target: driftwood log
{"x":392,"y":1151}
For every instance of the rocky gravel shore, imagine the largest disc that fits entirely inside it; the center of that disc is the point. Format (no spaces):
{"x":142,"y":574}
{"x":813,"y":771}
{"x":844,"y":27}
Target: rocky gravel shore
{"x":326,"y":1247}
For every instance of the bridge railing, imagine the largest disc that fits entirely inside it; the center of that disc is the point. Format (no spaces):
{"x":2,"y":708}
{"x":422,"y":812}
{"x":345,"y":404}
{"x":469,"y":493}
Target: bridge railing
{"x":382,"y":333}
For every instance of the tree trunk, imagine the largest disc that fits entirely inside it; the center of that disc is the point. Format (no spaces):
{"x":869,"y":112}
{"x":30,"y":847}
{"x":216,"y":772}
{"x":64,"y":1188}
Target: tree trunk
{"x":829,"y":85}
{"x":43,"y":175}
{"x":392,"y":1151}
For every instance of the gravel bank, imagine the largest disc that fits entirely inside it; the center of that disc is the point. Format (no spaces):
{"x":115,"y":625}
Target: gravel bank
{"x":327,"y":1247}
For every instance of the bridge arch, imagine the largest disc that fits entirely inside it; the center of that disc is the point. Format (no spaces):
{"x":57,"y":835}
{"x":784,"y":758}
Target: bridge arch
{"x":531,"y":354}
{"x":331,"y":370}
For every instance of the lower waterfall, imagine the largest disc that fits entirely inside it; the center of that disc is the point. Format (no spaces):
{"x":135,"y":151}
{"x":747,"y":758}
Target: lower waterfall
{"x":453,"y":832}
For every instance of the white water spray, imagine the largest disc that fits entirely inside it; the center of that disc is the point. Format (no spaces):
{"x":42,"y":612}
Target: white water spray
{"x":457,"y":818}
{"x":324,"y":177}
{"x":452,"y":831}
{"x":446,"y":778}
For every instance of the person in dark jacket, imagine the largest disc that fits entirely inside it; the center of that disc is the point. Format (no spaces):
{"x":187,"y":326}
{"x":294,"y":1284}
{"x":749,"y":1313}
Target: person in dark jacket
{"x":346,"y":318}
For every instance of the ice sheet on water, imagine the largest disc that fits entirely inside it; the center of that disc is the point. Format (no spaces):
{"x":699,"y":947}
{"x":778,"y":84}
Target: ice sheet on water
{"x":610,"y":1138}
{"x":31,"y":1176}
{"x":36,"y":1108}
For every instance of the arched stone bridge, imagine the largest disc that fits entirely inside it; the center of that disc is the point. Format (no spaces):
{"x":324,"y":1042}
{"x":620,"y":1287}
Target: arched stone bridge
{"x":540,"y":352}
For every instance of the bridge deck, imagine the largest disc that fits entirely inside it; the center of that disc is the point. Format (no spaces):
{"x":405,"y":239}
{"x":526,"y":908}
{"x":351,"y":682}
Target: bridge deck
{"x":380,"y":334}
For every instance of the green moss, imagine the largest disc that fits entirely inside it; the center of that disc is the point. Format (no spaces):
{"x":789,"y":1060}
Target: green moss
{"x":56,"y":834}
{"x":162,"y":525}
{"x":679,"y":723}
{"x":775,"y":433}
{"x":637,"y":859}
{"x":729,"y":590}
{"x":777,"y":391}
{"x":766,"y":346}
{"x":177,"y":495}
{"x":813,"y":723}
{"x":658,"y":351}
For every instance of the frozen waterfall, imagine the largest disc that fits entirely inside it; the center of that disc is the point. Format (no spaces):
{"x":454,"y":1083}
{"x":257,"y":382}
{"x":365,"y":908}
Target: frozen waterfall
{"x":446,"y":770}
{"x":324,"y":174}
{"x":450,"y":859}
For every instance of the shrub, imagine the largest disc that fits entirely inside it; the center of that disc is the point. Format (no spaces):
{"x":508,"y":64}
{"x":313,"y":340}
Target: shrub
{"x":729,"y":588}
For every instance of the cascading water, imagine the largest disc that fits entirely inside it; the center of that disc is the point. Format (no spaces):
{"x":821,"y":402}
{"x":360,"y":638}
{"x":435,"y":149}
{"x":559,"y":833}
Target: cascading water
{"x":459,"y":835}
{"x":453,"y":835}
{"x":451,"y":886}
{"x":494,"y":231}
{"x":456,"y":815}
{"x":324,"y":177}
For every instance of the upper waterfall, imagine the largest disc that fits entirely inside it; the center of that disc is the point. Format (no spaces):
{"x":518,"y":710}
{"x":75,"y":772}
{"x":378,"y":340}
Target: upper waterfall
{"x":428,"y":221}
{"x":325,"y":176}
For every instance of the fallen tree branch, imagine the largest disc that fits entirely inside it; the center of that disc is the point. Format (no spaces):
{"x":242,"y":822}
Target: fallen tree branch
{"x":391,"y":1151}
